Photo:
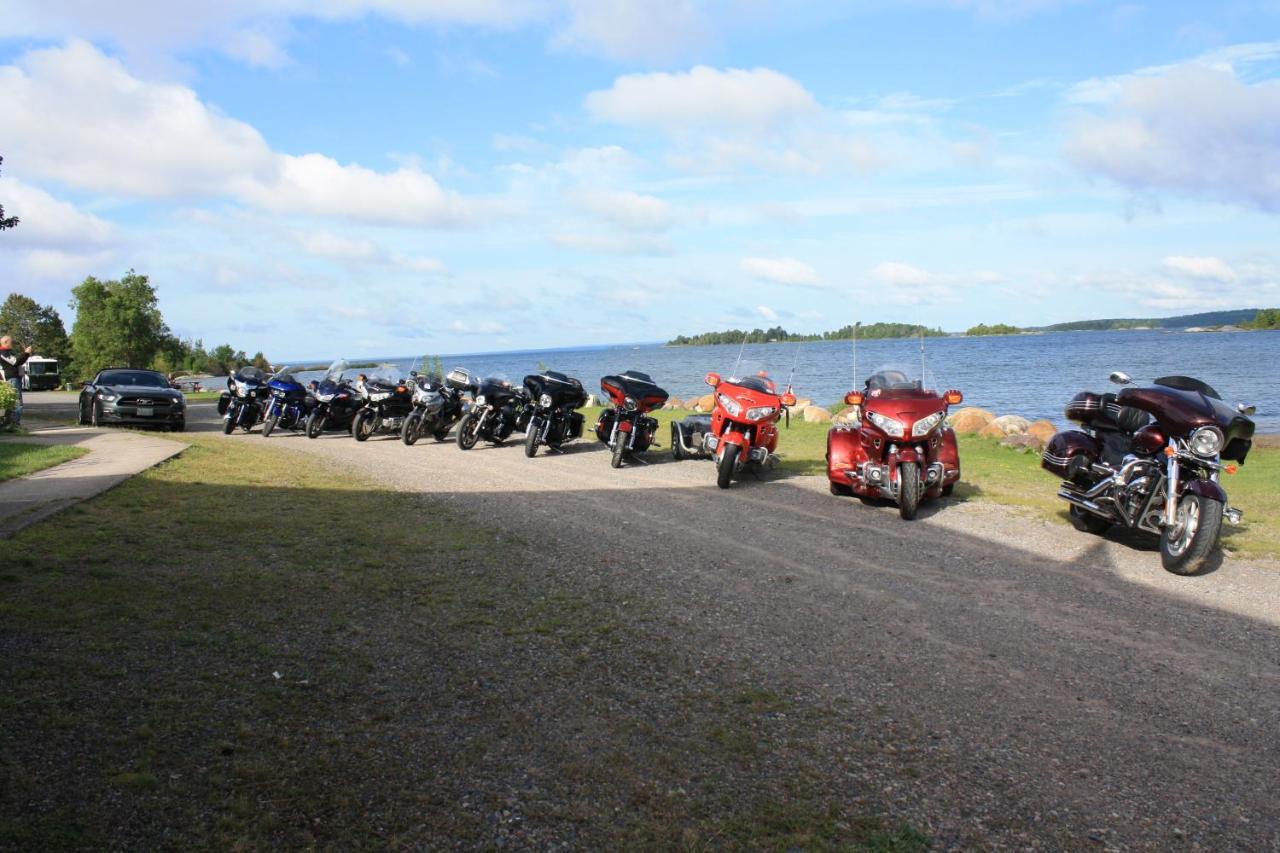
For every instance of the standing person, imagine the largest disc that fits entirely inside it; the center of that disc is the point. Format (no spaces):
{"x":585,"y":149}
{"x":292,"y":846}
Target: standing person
{"x":9,"y":372}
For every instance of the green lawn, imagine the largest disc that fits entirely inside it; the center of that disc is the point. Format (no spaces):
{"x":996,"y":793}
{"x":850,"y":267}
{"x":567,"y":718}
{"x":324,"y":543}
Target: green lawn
{"x":1012,"y":478}
{"x":19,"y":458}
{"x":244,"y":648}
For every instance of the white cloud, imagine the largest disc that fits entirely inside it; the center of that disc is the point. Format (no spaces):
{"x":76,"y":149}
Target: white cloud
{"x":894,"y":273}
{"x":1194,"y":129}
{"x":256,"y":49}
{"x":781,"y":271}
{"x":612,"y":244}
{"x":50,"y":223}
{"x":76,"y":116}
{"x":633,"y":30}
{"x":628,"y":210}
{"x":767,"y":313}
{"x":701,"y":97}
{"x":1207,"y":269}
{"x":354,"y":252}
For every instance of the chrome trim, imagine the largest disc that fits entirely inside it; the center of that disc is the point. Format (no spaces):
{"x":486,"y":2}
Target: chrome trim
{"x":1171,"y":488}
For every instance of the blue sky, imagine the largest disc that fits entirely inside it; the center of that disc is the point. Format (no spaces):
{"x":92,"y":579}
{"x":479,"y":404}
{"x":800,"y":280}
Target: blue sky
{"x":403,"y":176}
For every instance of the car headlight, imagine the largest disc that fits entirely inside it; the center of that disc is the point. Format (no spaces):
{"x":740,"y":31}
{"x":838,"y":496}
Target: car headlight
{"x":1206,"y":441}
{"x":108,"y":397}
{"x":731,"y":405}
{"x":924,"y":425}
{"x":888,"y":424}
{"x":545,"y":401}
{"x":480,"y":400}
{"x":760,"y":412}
{"x":178,"y":403}
{"x":629,"y":403}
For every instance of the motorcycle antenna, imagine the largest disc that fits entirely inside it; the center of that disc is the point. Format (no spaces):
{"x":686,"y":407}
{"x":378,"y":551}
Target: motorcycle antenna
{"x":922,"y":355}
{"x":795,"y":362}
{"x":856,"y":327}
{"x":745,"y":335}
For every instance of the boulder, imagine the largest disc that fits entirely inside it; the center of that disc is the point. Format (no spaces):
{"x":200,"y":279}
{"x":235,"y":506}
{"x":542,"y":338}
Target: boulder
{"x":1042,"y":430}
{"x":1024,"y":441}
{"x":816,"y":415}
{"x":802,"y":403}
{"x":847,"y":416}
{"x":674,"y":403}
{"x":970,"y":419}
{"x":706,"y":402}
{"x":1009,"y":425}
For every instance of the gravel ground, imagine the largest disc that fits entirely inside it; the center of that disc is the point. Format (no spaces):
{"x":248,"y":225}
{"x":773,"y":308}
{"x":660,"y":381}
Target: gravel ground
{"x":1001,"y":682}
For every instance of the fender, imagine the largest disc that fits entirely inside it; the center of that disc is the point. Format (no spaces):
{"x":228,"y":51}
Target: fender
{"x":624,"y":425}
{"x":1207,"y":489}
{"x":907,"y":453}
{"x":734,"y":437}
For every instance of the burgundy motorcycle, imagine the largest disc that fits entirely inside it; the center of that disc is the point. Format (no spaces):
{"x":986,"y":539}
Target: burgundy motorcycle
{"x":1150,"y":458}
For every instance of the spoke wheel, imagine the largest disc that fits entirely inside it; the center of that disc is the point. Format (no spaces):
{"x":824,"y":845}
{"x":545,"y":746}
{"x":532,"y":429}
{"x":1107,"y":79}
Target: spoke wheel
{"x":1186,"y":546}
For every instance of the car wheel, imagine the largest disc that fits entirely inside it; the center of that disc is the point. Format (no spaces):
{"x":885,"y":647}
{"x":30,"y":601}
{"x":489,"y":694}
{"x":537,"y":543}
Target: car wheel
{"x":95,"y":413}
{"x":81,"y":418}
{"x":180,"y":425}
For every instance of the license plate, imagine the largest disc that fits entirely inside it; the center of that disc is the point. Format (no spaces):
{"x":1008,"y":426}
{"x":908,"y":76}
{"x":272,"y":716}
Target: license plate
{"x":145,"y":411}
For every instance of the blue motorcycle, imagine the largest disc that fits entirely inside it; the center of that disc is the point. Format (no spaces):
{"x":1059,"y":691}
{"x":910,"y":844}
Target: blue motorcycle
{"x":288,"y":405}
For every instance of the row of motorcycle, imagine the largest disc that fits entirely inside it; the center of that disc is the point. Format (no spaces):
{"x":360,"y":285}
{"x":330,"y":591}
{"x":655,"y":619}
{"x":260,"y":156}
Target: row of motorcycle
{"x":544,"y":407}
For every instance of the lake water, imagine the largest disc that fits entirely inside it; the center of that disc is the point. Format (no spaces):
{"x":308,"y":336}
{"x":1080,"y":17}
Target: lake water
{"x":1029,"y":375}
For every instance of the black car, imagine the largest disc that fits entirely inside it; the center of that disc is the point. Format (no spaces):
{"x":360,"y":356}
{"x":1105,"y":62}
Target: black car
{"x":126,"y":395}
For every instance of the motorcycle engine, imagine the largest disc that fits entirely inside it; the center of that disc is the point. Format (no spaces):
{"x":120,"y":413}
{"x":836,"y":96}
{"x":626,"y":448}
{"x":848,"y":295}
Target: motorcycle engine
{"x":1139,"y":478}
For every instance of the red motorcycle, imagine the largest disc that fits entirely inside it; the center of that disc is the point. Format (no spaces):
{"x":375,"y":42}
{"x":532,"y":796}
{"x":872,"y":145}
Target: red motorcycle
{"x":742,"y":431}
{"x":899,"y":446}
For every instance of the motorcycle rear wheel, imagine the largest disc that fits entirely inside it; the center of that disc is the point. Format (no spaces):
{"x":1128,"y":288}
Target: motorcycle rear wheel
{"x":1087,"y":522}
{"x":677,"y":450}
{"x":531,"y":441}
{"x":412,"y":429}
{"x":362,"y":426}
{"x":1185,"y":548}
{"x":315,"y":425}
{"x":619,"y":450}
{"x":728,"y":461}
{"x":908,"y":490}
{"x":467,"y":436}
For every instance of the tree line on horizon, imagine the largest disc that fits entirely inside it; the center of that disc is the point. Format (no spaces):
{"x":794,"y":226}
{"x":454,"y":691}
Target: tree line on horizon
{"x":779,"y":334}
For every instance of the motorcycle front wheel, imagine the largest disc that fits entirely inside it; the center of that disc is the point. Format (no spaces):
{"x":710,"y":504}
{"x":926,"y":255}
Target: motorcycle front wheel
{"x":315,"y":424}
{"x":269,"y":425}
{"x":412,"y":426}
{"x":229,"y":422}
{"x":531,"y":439}
{"x":619,"y":449}
{"x":1186,"y":546}
{"x":467,"y":436}
{"x":908,"y":490}
{"x":362,"y":427}
{"x":724,"y":469}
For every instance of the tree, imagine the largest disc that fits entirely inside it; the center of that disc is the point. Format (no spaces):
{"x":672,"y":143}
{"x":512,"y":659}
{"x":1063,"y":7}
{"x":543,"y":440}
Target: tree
{"x":12,"y":220}
{"x":118,"y":323}
{"x":29,"y":322}
{"x":1266,"y":318}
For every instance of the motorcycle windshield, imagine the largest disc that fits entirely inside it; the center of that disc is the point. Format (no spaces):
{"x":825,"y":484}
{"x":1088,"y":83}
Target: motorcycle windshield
{"x":335,"y":370}
{"x":901,"y":380}
{"x":285,"y":374}
{"x":249,"y":373}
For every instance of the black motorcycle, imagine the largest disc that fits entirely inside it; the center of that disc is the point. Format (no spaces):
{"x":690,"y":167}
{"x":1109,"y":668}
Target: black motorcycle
{"x":624,"y":427}
{"x":437,"y":406}
{"x":244,"y":402}
{"x":334,"y":402}
{"x":1149,"y":458}
{"x":499,"y":409}
{"x":553,"y":420}
{"x":386,"y":404}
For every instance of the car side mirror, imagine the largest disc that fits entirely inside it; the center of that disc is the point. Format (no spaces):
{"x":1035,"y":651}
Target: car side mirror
{"x":1120,"y":378}
{"x":1245,"y":409}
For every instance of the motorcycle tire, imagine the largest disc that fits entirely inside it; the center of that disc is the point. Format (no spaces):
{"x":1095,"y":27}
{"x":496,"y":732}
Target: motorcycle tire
{"x":269,"y":425}
{"x":441,"y":434}
{"x":724,"y":469}
{"x":358,"y":428}
{"x":411,"y":429}
{"x":229,"y":422}
{"x":467,"y":432}
{"x":948,"y":489}
{"x":619,"y":450}
{"x":1186,"y":547}
{"x":531,"y":441}
{"x":908,"y":490}
{"x":315,"y":425}
{"x":677,"y":446}
{"x":1087,"y":522}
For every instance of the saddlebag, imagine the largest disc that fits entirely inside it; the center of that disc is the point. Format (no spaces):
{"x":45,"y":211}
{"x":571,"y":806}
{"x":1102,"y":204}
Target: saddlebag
{"x":689,"y":433}
{"x":604,"y":425}
{"x":573,"y":425}
{"x":1070,"y":454}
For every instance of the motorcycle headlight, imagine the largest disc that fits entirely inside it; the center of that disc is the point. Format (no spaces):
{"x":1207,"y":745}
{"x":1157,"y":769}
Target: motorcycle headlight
{"x":324,"y":398}
{"x":629,"y":403}
{"x":545,"y":401}
{"x":889,"y":425}
{"x":380,"y":396}
{"x":731,"y":405}
{"x":924,"y":425}
{"x":1206,"y":441}
{"x":480,"y":400}
{"x":759,"y":412}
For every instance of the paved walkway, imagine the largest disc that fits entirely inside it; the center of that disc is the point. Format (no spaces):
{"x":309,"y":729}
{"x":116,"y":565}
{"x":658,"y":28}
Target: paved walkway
{"x":113,"y":457}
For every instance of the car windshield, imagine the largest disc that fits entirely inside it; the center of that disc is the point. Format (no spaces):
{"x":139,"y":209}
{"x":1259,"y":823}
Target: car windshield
{"x":136,"y":378}
{"x":901,"y":377}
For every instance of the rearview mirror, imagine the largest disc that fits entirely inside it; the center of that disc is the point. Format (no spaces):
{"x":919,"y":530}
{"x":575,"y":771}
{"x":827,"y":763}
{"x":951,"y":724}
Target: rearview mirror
{"x":853,"y":398}
{"x":712,"y":379}
{"x":954,"y":398}
{"x":1120,"y":378}
{"x":788,"y":399}
{"x":1245,"y":409}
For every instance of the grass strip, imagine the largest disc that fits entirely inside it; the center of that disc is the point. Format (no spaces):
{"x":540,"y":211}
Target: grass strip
{"x":18,"y":459}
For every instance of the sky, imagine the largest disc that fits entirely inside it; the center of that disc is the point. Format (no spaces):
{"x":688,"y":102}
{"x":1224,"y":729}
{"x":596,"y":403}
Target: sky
{"x":407,"y":176}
